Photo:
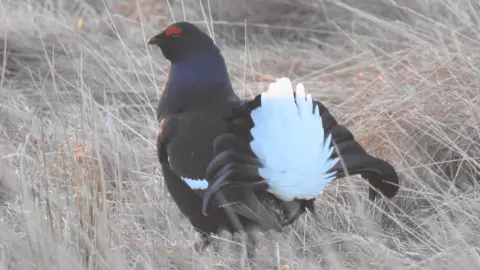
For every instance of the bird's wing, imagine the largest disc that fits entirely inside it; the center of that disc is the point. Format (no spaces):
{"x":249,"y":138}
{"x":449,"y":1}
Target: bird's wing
{"x":239,"y":159}
{"x":185,"y":144}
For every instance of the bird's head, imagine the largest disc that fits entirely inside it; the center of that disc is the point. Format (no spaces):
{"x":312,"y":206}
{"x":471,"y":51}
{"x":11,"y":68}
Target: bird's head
{"x":180,"y":39}
{"x":197,"y":65}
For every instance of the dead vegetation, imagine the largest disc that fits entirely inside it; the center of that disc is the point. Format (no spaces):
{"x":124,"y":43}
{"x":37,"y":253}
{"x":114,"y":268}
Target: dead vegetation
{"x":81,"y":187}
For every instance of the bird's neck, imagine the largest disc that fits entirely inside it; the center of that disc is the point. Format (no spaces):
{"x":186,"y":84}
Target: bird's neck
{"x":202,"y":81}
{"x":205,"y":69}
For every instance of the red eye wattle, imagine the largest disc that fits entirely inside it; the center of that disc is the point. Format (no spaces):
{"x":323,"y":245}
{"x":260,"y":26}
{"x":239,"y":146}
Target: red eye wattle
{"x":173,"y":31}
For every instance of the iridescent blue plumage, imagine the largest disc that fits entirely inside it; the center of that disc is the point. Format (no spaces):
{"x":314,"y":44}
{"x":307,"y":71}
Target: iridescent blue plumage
{"x":204,"y":68}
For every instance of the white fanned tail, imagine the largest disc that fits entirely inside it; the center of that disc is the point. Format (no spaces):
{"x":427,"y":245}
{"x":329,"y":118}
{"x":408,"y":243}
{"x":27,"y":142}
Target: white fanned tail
{"x":288,"y":139}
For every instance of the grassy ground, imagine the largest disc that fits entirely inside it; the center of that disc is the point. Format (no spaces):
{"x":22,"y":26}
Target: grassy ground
{"x":80,"y":182}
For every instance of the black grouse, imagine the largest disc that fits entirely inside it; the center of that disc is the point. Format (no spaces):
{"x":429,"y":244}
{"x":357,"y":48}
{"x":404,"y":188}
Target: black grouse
{"x":238,"y":164}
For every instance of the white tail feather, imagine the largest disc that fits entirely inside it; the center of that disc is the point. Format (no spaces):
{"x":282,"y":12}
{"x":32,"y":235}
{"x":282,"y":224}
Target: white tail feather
{"x":288,"y":139}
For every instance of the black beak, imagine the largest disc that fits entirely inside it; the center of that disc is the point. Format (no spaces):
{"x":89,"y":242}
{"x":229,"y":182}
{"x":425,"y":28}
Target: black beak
{"x":155,"y":40}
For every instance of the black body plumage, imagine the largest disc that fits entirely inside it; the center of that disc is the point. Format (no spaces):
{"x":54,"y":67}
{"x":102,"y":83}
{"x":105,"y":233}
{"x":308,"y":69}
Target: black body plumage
{"x":205,"y":134}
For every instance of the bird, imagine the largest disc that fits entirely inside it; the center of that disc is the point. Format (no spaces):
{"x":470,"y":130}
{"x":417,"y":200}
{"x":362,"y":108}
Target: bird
{"x":241,"y":165}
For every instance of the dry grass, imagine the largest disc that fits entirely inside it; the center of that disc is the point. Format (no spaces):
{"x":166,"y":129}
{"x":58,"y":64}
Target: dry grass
{"x":81,"y":186}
